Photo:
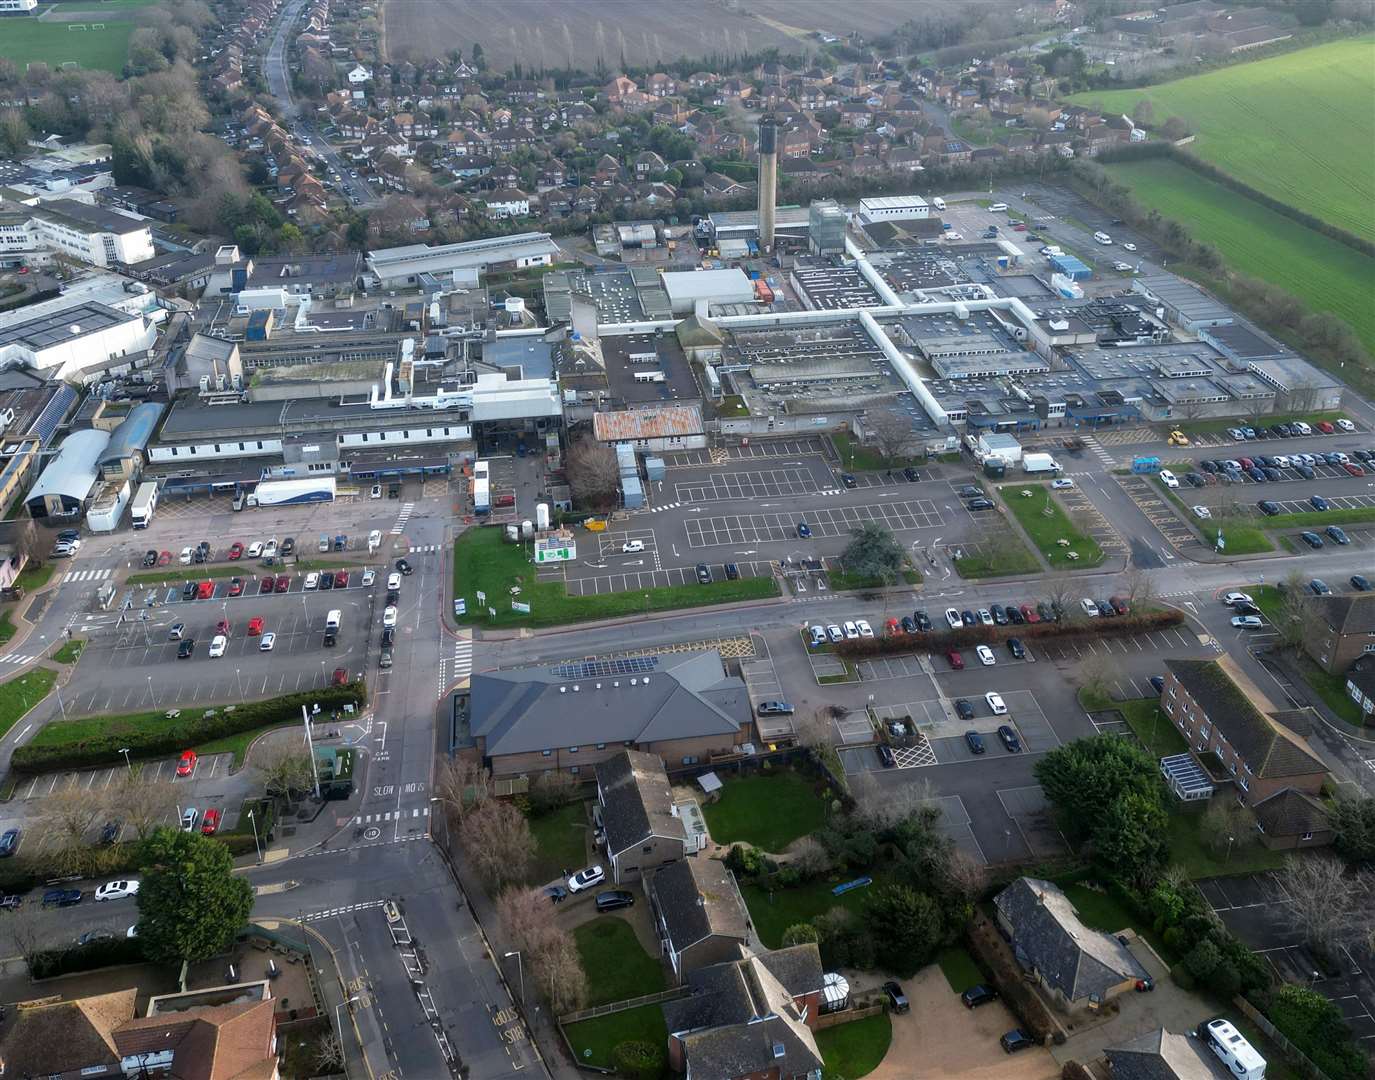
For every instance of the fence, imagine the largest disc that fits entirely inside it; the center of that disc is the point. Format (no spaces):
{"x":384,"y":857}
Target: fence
{"x":830,"y":1020}
{"x":624,"y":1006}
{"x":1296,"y":1057}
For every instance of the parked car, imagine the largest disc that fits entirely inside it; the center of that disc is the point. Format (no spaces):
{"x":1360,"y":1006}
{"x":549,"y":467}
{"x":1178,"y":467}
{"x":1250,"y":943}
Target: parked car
{"x":1320,"y":587}
{"x":865,"y":630}
{"x":406,"y":568}
{"x":1312,"y":539}
{"x":189,"y":817}
{"x":1010,"y":739}
{"x":897,"y":998}
{"x":61,"y":897}
{"x":978,"y":995}
{"x":1360,"y":583}
{"x":281,"y":583}
{"x":1089,"y":607}
{"x":974,"y":741}
{"x":985,"y":655}
{"x":885,"y":755}
{"x":803,"y":530}
{"x":1337,"y":534}
{"x":268,"y":641}
{"x":996,"y":703}
{"x":217,"y":646}
{"x":1015,"y":1040}
{"x":186,"y":764}
{"x":614,"y":900}
{"x":956,"y":660}
{"x":116,"y":890}
{"x":186,"y":649}
{"x":963,"y":709}
{"x":952,"y":618}
{"x":1015,"y":647}
{"x":109,"y":832}
{"x":586,"y":879}
{"x":703,"y":573}
{"x":774,"y":708}
{"x":1247,"y":622}
{"x":9,"y":843}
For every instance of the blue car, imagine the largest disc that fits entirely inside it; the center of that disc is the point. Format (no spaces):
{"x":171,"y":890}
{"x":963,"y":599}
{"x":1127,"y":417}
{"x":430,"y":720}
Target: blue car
{"x":9,"y":843}
{"x":61,"y":897}
{"x":802,"y":530}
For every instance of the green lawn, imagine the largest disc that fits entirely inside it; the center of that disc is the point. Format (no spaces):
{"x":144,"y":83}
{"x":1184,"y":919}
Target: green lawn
{"x":733,"y":405}
{"x":18,"y":696}
{"x":1242,"y":537}
{"x":1320,"y":519}
{"x":7,"y":627}
{"x":855,"y":457}
{"x":35,"y":577}
{"x":1010,"y":557}
{"x":773,"y":912}
{"x":1298,"y":127}
{"x":839,"y":581}
{"x":594,"y":1040}
{"x":560,"y":842}
{"x":1155,"y":730}
{"x":1046,"y":529}
{"x":959,"y":968}
{"x":1332,"y":689}
{"x":237,"y":744}
{"x":617,"y":966}
{"x":70,"y":653}
{"x":855,"y":1049}
{"x":27,"y":41}
{"x":1324,"y":274}
{"x":1188,"y":849}
{"x":1100,"y":911}
{"x":484,"y":562}
{"x":770,"y":810}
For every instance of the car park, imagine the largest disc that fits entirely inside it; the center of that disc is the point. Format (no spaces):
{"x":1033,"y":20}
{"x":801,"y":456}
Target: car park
{"x":1010,"y":739}
{"x":1337,"y":534}
{"x":586,"y":879}
{"x":851,"y":630}
{"x":975,"y":742}
{"x":985,"y":655}
{"x":978,"y":995}
{"x":268,"y":641}
{"x":996,"y":703}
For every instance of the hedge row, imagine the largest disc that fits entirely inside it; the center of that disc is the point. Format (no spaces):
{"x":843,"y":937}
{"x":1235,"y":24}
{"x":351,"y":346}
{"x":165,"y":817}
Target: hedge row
{"x":939,"y":641}
{"x":195,"y":730}
{"x":51,"y":963}
{"x":994,"y":957}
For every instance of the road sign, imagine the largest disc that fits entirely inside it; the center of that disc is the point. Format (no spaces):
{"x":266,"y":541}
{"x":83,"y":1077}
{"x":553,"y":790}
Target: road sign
{"x":519,"y":608}
{"x":481,"y":597}
{"x":460,"y":606}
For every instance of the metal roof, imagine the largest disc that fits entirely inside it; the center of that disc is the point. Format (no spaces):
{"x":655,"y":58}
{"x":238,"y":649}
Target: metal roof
{"x":674,"y":421}
{"x":74,"y":470}
{"x":417,"y":258}
{"x":133,"y":433}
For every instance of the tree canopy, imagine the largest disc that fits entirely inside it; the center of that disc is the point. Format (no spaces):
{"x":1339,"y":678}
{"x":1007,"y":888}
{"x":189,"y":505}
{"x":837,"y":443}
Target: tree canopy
{"x":874,"y":553}
{"x":190,"y":905}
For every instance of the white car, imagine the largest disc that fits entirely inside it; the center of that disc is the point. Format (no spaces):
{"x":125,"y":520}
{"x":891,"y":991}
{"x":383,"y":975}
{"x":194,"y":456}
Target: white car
{"x":217,"y":646}
{"x":865,"y":630}
{"x":954,"y":236}
{"x":630,"y":547}
{"x":851,"y":631}
{"x":817,"y":635}
{"x":1090,"y":608}
{"x":985,"y":616}
{"x":116,"y":890}
{"x":952,"y":618}
{"x":1128,"y":247}
{"x":369,"y":576}
{"x":312,"y":580}
{"x":266,"y":642}
{"x":1246,"y":622}
{"x":996,"y":703}
{"x":393,"y":582}
{"x":270,"y":548}
{"x":255,"y":549}
{"x":388,"y":617}
{"x":375,"y":492}
{"x":1345,"y":425}
{"x":189,"y":817}
{"x":1169,"y":479}
{"x":586,"y":879}
{"x":998,"y":207}
{"x":1061,"y":483}
{"x":986,"y":656}
{"x":1282,"y":461}
{"x":185,"y":557}
{"x":1121,"y":267}
{"x":1201,"y":511}
{"x":374,"y":539}
{"x":834,"y":632}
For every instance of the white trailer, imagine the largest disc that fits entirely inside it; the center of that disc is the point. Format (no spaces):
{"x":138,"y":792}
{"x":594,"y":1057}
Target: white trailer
{"x":145,"y":502}
{"x":1039,"y":463}
{"x":293,"y":492}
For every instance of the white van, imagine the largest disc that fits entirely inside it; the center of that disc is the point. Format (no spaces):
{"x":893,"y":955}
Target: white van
{"x":938,"y":203}
{"x":332,"y":619}
{"x":1103,"y":238}
{"x":1230,"y":1045}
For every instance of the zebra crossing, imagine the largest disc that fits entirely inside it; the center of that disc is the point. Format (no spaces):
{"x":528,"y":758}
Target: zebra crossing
{"x":407,"y":509}
{"x":463,"y":657}
{"x":424,"y":549}
{"x":13,"y":659}
{"x":1096,"y":448}
{"x":86,"y":575}
{"x":391,"y":815}
{"x":688,"y":502}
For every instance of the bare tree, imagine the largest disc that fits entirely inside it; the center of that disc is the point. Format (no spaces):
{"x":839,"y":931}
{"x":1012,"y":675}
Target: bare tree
{"x":329,"y":1052}
{"x":524,"y":914}
{"x":592,"y":473}
{"x":557,"y":971}
{"x":1325,"y":904}
{"x":882,"y":808}
{"x":285,"y":768}
{"x":70,"y":812}
{"x":964,"y":876}
{"x":498,"y":842}
{"x":142,"y":806}
{"x":27,"y":929}
{"x":1095,"y":677}
{"x":809,"y":857}
{"x":551,"y":789}
{"x":892,"y":432}
{"x":462,"y":785}
{"x":1298,"y":620}
{"x":1227,"y":827}
{"x":1140,"y":590}
{"x":1060,"y":594}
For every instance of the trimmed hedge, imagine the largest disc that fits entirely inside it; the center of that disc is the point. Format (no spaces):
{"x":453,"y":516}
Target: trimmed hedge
{"x":105,"y":749}
{"x":26,"y":872}
{"x":51,"y":963}
{"x":943,"y":640}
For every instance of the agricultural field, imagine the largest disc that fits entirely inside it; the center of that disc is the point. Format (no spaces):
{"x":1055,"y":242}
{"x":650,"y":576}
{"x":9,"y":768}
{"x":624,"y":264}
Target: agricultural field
{"x":1298,"y":127}
{"x":94,"y":36}
{"x":559,"y":33}
{"x":1254,"y":240}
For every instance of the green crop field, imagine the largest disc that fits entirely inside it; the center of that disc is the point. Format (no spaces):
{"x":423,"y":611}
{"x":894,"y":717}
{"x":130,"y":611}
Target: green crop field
{"x":1298,"y":127}
{"x":26,"y":41}
{"x":1326,"y":275}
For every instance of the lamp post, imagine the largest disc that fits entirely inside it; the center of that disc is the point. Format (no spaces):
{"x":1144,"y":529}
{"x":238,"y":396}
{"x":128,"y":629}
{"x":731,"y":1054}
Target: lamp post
{"x":151,"y":696}
{"x":125,"y":751}
{"x":310,"y":749}
{"x":339,"y":1023}
{"x":238,"y":679}
{"x":1230,"y":840}
{"x":520,"y":970}
{"x":257,"y":846}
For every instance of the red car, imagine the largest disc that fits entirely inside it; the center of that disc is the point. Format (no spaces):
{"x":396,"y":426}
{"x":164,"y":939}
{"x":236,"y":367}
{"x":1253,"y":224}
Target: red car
{"x":956,"y":660}
{"x":283,"y":582}
{"x":255,"y":626}
{"x":205,"y":590}
{"x":265,"y":585}
{"x":164,"y":557}
{"x":341,"y":579}
{"x":1030,"y":614}
{"x":187,"y":764}
{"x":892,"y":629}
{"x":210,"y":823}
{"x":236,"y":550}
{"x":1353,"y":469}
{"x":341,"y":676}
{"x":235,"y":586}
{"x":222,"y":627}
{"x":1326,"y":428}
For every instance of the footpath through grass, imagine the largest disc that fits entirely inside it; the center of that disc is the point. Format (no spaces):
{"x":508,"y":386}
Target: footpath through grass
{"x":1046,"y":522}
{"x":769,"y":811}
{"x":484,"y":562}
{"x":855,"y":1049}
{"x":617,"y":966}
{"x":18,"y":696}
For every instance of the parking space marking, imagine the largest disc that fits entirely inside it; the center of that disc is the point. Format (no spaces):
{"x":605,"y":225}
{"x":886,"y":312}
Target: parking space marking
{"x":1095,"y":524}
{"x":828,"y":521}
{"x":631,"y":580}
{"x":724,"y":486}
{"x":1030,"y":811}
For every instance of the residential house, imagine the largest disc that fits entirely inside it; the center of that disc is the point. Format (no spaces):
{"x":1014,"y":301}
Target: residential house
{"x":699,"y":912}
{"x":1345,"y":630}
{"x":1076,"y":966}
{"x":1360,"y":685}
{"x":1224,"y":717}
{"x":643,"y":832}
{"x":661,"y":85}
{"x":749,"y":1019}
{"x":794,"y":144}
{"x":647,"y":163}
{"x":683,"y":707}
{"x":1292,"y":819}
{"x":507,"y":203}
{"x":721,"y":185}
{"x":1163,"y":1055}
{"x":551,"y":176}
{"x":618,"y":89}
{"x":359,"y":75}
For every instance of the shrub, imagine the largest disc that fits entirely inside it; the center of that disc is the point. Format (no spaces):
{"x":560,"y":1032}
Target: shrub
{"x":639,"y":1059}
{"x":748,"y":862}
{"x":105,"y":749}
{"x":801,"y":934}
{"x":1179,"y":973}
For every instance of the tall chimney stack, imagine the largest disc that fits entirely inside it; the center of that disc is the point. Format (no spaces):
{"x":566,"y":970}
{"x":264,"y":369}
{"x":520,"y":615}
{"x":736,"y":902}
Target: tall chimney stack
{"x":768,"y":180}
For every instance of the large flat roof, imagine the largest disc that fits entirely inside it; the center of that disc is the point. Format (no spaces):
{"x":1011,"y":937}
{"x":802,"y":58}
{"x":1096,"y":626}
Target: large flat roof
{"x":51,"y":329}
{"x":418,"y":258}
{"x":93,"y":216}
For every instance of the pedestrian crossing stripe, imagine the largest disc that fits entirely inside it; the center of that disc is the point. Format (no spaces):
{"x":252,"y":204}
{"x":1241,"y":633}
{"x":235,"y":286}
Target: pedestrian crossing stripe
{"x":406,"y":510}
{"x":391,"y":815}
{"x":87,"y":575}
{"x":12,"y":659}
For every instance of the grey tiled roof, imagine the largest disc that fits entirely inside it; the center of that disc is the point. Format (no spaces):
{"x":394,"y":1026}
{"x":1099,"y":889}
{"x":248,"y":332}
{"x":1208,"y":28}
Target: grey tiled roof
{"x":1354,"y":614}
{"x":1047,"y":934}
{"x":637,"y":802}
{"x":1163,"y":1055}
{"x":698,"y":898}
{"x":1291,"y":813}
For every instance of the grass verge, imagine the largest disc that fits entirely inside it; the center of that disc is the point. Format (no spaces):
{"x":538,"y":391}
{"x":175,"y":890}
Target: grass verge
{"x":237,"y":744}
{"x":856,"y":457}
{"x":560,"y":842}
{"x":840,"y":581}
{"x":769,"y":811}
{"x":593,"y":1041}
{"x":733,"y":405}
{"x":1046,"y":522}
{"x":18,"y":696}
{"x":70,"y":653}
{"x":617,"y":966}
{"x":7,"y":628}
{"x":1242,"y":537}
{"x":855,"y":1049}
{"x":1320,"y":519}
{"x":1009,"y":556}
{"x":484,"y":562}
{"x":1150,"y":724}
{"x":35,"y":577}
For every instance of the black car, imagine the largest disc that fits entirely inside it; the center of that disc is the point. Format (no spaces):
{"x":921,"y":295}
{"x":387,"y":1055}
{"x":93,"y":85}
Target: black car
{"x":923,"y":620}
{"x":969,"y":491}
{"x":188,"y":591}
{"x":557,"y":893}
{"x":1014,"y":646}
{"x":1306,"y":472}
{"x":9,"y":843}
{"x":150,"y":558}
{"x":1245,"y":609}
{"x":69,"y":535}
{"x":1047,"y":613}
{"x":1208,"y":465}
{"x":1256,"y":475}
{"x":978,"y":995}
{"x":1269,"y":507}
{"x":1360,"y":583}
{"x":109,"y":833}
{"x":1158,"y":683}
{"x":186,"y":649}
{"x":848,"y":480}
{"x":61,"y":897}
{"x":1320,"y":587}
{"x":1271,"y":473}
{"x":614,"y":900}
{"x":1195,"y":479}
{"x":1337,"y":534}
{"x":1015,"y":1040}
{"x":967,"y":617}
{"x":703,"y":573}
{"x":1312,"y":539}
{"x":1317,"y":502}
{"x":388,"y":637}
{"x":980,"y":504}
{"x":885,"y":755}
{"x":404,"y":568}
{"x":1010,"y":740}
{"x":897,"y":998}
{"x":393,"y":598}
{"x":198,"y":556}
{"x":288,"y":545}
{"x":999,"y":614}
{"x":964,"y":709}
{"x":975,"y":742}
{"x":1015,"y":616}
{"x":908,"y":624}
{"x":732,"y":571}
{"x":1281,"y":430}
{"x":911,"y":474}
{"x":90,"y":937}
{"x":326,"y":581}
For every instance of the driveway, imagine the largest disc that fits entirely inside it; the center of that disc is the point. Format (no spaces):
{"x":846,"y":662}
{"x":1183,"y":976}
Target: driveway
{"x":940,"y":1038}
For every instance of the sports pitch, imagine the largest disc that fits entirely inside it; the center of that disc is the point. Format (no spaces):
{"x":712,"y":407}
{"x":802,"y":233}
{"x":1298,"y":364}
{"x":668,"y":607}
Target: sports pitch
{"x":94,"y":37}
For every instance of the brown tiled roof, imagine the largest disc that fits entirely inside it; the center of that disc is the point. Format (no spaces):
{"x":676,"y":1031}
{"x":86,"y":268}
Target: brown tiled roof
{"x":1348,"y":614}
{"x":220,"y":1042}
{"x":64,"y":1036}
{"x":1291,"y":813}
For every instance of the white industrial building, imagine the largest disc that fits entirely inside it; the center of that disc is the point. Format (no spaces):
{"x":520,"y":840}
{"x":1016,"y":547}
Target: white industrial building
{"x":88,"y":233}
{"x":686,"y":289}
{"x":400,"y":267}
{"x":63,"y":486}
{"x":894,"y":208}
{"x":72,"y":337}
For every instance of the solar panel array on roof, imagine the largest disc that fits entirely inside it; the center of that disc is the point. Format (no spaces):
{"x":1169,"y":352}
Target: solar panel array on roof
{"x":51,"y":329}
{"x":53,"y":413}
{"x":592,"y":669}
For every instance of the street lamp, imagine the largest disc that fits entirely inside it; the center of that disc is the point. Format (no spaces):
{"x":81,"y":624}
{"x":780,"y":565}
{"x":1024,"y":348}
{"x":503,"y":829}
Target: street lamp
{"x":1230,"y":839}
{"x":520,"y":969}
{"x":151,"y":698}
{"x":339,"y":1023}
{"x":125,"y":751}
{"x":238,"y":679}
